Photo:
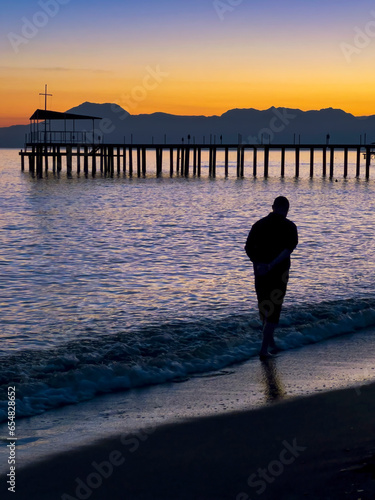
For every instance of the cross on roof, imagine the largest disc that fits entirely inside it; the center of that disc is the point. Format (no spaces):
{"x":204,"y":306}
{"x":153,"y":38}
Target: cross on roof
{"x":45,"y":97}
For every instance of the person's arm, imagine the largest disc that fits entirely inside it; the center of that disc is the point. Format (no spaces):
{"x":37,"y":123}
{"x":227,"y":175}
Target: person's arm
{"x":251,"y":247}
{"x":262,"y":269}
{"x":285,"y":254}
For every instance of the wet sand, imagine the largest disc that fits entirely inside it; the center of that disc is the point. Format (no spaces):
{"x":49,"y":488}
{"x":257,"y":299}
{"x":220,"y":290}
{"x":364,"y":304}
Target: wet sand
{"x":316,"y":447}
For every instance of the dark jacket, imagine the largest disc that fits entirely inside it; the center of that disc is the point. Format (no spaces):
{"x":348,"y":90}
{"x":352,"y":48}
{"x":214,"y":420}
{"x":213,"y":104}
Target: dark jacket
{"x":269,"y":237}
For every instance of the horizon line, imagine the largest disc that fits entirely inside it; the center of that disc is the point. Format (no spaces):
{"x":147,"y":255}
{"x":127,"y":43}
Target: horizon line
{"x":196,"y":115}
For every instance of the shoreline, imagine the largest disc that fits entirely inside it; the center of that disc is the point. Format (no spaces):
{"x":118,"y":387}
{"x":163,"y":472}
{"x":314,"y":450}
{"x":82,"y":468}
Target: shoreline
{"x":316,"y":368}
{"x":319,"y":446}
{"x":211,"y":434}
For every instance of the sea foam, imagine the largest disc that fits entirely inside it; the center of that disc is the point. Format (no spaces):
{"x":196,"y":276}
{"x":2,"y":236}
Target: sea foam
{"x":80,"y":370}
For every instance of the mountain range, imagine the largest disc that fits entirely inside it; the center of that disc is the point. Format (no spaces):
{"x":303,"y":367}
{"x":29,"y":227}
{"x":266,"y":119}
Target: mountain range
{"x":251,"y":126}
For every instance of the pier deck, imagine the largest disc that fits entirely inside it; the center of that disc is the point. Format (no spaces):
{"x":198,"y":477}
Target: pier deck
{"x":184,"y":159}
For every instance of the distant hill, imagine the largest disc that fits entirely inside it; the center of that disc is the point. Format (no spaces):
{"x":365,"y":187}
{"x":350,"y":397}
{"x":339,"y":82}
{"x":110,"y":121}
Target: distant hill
{"x":251,"y":126}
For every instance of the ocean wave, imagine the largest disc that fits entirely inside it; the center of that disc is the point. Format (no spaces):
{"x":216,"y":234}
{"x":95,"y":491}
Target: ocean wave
{"x":80,"y":370}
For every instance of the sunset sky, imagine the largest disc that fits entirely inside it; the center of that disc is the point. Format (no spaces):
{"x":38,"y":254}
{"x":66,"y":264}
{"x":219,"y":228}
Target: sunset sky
{"x":196,"y":57}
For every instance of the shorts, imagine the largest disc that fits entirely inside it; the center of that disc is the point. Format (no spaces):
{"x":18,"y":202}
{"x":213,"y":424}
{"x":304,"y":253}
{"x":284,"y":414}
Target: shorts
{"x":270,"y":289}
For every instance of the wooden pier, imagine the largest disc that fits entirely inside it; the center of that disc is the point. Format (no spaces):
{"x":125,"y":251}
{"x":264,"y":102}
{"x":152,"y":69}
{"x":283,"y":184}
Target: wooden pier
{"x":185,"y":159}
{"x":56,"y":136}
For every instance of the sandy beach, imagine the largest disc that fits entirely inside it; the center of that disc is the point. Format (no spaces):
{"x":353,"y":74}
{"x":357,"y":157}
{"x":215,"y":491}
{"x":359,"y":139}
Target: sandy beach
{"x":317,"y":447}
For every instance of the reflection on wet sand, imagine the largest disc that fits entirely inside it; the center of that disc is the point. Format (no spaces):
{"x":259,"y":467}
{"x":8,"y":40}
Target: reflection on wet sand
{"x":273,"y":387}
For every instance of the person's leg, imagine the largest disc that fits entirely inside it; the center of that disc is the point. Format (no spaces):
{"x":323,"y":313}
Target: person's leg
{"x":270,"y":293}
{"x":276,"y":293}
{"x":268,"y":340}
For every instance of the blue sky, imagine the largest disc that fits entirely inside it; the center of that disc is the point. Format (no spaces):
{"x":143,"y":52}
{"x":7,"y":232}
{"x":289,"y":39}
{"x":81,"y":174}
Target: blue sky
{"x":218,"y":54}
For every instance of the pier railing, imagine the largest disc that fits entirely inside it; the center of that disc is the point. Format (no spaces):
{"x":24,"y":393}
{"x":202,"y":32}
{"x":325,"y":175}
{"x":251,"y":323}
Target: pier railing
{"x":59,"y":137}
{"x":186,"y":159}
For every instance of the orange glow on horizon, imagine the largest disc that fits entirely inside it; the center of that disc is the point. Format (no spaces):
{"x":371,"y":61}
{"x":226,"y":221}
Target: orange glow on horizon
{"x":18,"y":111}
{"x":180,"y":96}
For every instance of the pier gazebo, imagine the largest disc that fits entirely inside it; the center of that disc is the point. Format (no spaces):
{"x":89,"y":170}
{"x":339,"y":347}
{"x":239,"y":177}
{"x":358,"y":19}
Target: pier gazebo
{"x":42,"y":131}
{"x":55,"y":135}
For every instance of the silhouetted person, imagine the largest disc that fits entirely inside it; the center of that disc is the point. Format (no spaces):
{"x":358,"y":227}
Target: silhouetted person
{"x":269,"y":245}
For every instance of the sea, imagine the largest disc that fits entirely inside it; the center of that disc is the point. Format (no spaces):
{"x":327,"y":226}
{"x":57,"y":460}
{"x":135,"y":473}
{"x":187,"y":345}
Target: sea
{"x":111,"y":284}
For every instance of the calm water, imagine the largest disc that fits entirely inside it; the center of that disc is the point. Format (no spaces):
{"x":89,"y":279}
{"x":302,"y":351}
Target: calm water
{"x":113,"y":283}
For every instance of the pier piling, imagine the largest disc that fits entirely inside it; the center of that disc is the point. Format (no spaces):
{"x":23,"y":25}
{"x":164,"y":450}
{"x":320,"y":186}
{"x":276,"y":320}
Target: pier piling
{"x":324,"y":162}
{"x":331,"y":162}
{"x":358,"y":162}
{"x":282,"y":162}
{"x":187,"y":161}
{"x":93,"y":167}
{"x":195,"y":155}
{"x":118,"y":160}
{"x":311,"y":162}
{"x":86,"y":160}
{"x":78,"y":159}
{"x":178,"y":161}
{"x":69,"y":160}
{"x":144,"y":162}
{"x":138,"y":161}
{"x":226,"y":161}
{"x":46,"y":160}
{"x":242,"y":166}
{"x":368,"y":161}
{"x":171,"y":162}
{"x":255,"y":160}
{"x":130,"y":162}
{"x":266,"y":160}
{"x":345,"y":163}
{"x":297,"y":162}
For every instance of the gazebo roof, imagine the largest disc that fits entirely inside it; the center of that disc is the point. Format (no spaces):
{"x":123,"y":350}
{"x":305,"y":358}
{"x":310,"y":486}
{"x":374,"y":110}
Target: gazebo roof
{"x":42,"y":114}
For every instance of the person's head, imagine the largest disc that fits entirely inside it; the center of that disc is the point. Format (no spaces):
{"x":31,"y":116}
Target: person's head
{"x":281,"y":205}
